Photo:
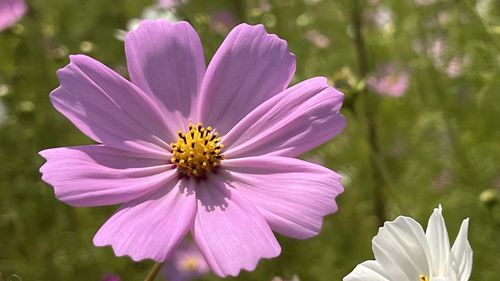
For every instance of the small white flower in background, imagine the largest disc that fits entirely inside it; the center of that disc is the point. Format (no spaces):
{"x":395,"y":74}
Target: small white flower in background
{"x":149,"y":13}
{"x":404,"y":252}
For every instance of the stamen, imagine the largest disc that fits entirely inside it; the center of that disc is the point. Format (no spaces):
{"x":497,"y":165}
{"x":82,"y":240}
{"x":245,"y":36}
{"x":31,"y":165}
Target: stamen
{"x":422,"y":277}
{"x":197,"y":151}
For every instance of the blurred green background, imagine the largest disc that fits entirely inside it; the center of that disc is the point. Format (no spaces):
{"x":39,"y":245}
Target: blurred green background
{"x":436,"y":143}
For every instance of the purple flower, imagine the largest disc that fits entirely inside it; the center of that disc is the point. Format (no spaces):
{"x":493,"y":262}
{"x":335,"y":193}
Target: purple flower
{"x":222,"y":21}
{"x":10,"y":12}
{"x":389,"y":81}
{"x":187,"y":263}
{"x":171,"y":172}
{"x":111,"y":277}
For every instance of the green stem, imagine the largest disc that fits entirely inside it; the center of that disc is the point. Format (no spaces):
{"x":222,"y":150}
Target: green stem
{"x":369,"y":112}
{"x":154,"y":271}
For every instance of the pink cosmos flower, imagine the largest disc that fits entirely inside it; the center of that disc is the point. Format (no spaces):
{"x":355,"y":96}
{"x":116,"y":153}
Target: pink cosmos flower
{"x":187,"y":263}
{"x":10,"y":12}
{"x":171,"y":172}
{"x":389,"y":81}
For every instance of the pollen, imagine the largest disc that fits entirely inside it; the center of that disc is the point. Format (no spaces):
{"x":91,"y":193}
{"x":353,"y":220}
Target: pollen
{"x":422,"y":277}
{"x":197,"y":151}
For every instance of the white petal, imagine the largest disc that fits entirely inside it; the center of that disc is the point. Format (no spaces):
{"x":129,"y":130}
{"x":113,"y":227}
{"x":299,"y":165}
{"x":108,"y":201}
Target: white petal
{"x":461,"y":254}
{"x":401,"y":248}
{"x":367,"y":271}
{"x":439,"y":245}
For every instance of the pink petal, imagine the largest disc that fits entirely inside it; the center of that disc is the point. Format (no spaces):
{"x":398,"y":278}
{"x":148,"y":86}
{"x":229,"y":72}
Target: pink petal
{"x":97,"y":175}
{"x":10,"y":12}
{"x":153,"y":226}
{"x":166,"y":61}
{"x":289,"y":124}
{"x":229,"y":231}
{"x":292,"y":195}
{"x":109,"y":109}
{"x":250,"y":67}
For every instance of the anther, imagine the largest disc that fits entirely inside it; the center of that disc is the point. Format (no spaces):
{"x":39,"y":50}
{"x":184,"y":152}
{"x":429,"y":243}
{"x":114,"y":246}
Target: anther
{"x":197,"y":151}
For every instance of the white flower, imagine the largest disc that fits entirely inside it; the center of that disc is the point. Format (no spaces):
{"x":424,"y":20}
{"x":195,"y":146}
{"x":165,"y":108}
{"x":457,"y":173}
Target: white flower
{"x":404,"y":252}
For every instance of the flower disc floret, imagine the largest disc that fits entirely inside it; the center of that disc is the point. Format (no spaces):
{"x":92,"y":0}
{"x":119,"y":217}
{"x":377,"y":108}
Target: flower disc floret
{"x":197,"y":151}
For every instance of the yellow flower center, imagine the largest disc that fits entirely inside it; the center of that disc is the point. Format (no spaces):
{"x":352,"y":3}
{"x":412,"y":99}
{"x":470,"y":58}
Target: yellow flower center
{"x":422,"y":277}
{"x":189,"y":264}
{"x":197,"y":151}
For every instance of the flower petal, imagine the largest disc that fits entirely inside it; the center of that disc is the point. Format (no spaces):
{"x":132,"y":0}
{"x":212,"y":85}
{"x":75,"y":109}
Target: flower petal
{"x":291,"y":194}
{"x":289,"y":124}
{"x":153,"y":226}
{"x":166,"y":61}
{"x":400,"y":247}
{"x":439,"y":244}
{"x":461,"y":253}
{"x":250,"y":67}
{"x":97,"y":175}
{"x":10,"y":12}
{"x":367,"y":271}
{"x":229,"y":231}
{"x":108,"y":108}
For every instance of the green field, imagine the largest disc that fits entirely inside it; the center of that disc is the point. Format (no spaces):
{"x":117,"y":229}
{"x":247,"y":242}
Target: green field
{"x":437,"y":143}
